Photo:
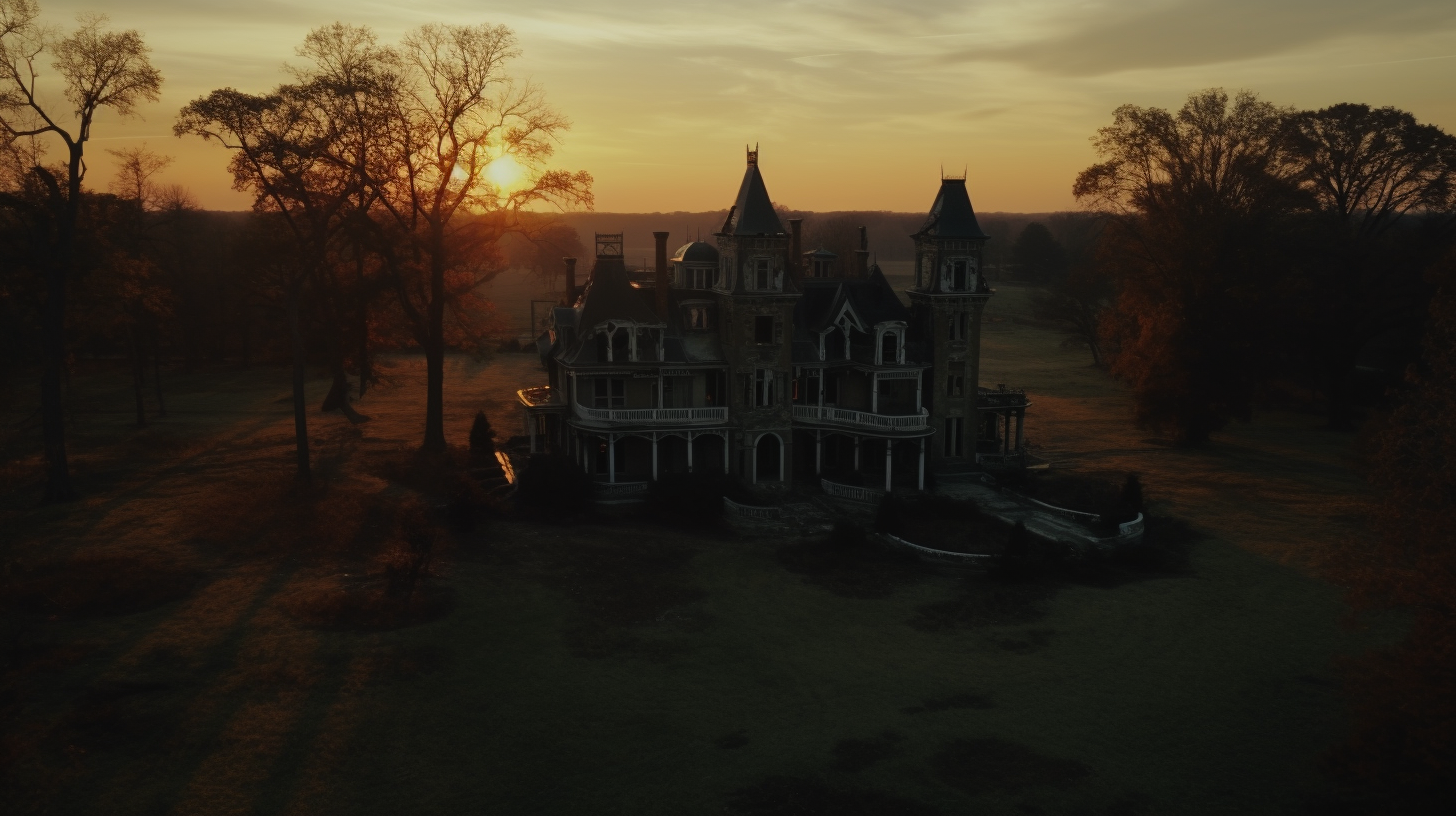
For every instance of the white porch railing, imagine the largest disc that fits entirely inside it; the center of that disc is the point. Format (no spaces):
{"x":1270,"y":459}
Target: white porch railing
{"x":650,"y":416}
{"x":866,"y":495}
{"x":862,"y":419}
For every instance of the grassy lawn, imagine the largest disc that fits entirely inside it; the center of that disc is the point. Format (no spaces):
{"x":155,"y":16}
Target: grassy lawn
{"x":630,"y":668}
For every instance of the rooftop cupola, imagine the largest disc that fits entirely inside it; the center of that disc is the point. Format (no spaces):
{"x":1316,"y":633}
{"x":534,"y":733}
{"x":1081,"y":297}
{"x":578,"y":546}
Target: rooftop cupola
{"x":948,"y":245}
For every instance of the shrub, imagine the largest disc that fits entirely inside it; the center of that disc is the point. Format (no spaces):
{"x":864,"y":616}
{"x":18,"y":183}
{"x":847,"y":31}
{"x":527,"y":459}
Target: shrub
{"x":692,"y":499}
{"x":846,"y":535}
{"x":1017,"y":560}
{"x":554,"y":486}
{"x":889,"y":519}
{"x":482,"y":442}
{"x":410,"y":558}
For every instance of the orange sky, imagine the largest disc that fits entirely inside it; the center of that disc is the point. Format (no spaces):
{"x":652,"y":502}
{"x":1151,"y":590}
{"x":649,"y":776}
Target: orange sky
{"x":855,"y":104}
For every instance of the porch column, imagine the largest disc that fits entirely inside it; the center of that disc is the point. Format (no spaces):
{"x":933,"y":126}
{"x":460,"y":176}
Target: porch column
{"x":611,"y":458}
{"x":822,"y":386}
{"x":920,"y":477}
{"x":1020,"y":421}
{"x":818,"y":452}
{"x":659,"y":392}
{"x":1006,"y":433}
{"x":919,"y":385}
{"x":875,"y":393}
{"x":725,"y":452}
{"x":753,"y":457}
{"x":531,"y":429}
{"x":690,"y":452}
{"x":654,"y":455}
{"x":856,"y":454}
{"x":889,"y":449}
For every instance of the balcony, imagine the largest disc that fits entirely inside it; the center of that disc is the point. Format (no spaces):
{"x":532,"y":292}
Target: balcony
{"x":606,"y":417}
{"x":860,"y":420}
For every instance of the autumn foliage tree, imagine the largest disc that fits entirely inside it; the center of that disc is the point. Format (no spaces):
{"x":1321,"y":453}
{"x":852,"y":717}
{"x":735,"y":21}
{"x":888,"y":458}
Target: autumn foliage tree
{"x":1402,"y":756}
{"x":1194,"y":199}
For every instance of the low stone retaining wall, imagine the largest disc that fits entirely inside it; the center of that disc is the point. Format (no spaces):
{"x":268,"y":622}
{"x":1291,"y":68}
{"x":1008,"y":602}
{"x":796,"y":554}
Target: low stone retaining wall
{"x":978,"y":560}
{"x":859,"y":495}
{"x":734,"y":510}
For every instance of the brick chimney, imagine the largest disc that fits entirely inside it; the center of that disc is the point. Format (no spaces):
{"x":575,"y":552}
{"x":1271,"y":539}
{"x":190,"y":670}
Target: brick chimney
{"x":569,"y":299}
{"x":662,"y":283}
{"x":862,"y":255}
{"x":796,"y":256}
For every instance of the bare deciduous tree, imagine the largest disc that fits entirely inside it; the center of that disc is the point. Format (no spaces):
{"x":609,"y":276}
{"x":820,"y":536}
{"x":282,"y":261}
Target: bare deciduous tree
{"x":99,"y":69}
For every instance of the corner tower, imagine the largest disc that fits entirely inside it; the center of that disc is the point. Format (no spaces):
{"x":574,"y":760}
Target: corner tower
{"x":947,"y":300}
{"x":756,"y":297}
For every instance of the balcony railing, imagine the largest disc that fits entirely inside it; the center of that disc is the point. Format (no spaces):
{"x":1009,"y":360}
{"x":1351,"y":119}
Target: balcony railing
{"x":861,"y":419}
{"x":654,"y":416}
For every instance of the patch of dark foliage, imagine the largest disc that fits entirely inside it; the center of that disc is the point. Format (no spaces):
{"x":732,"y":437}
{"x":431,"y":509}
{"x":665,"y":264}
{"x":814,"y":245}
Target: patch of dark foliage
{"x":398,"y":590}
{"x":1027,"y":641}
{"x":730,"y":741}
{"x":132,"y":716}
{"x":406,"y":662}
{"x":792,"y":796}
{"x":953,"y":525}
{"x":983,"y":600}
{"x":693,"y":499}
{"x":89,"y":586}
{"x":854,"y":755}
{"x":951,"y":702}
{"x":847,"y":563}
{"x":554,"y":488}
{"x":890,"y":516}
{"x":617,"y":580}
{"x":991,"y":765}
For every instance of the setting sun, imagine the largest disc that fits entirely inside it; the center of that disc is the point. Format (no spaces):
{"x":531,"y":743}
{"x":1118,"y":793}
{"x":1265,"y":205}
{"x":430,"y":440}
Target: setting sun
{"x":506,"y":174}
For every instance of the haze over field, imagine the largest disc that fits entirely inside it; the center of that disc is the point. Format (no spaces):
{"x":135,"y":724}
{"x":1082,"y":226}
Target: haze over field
{"x":856,"y":104}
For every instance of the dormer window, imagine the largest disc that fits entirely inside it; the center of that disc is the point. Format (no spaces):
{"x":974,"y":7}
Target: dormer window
{"x":821,"y":268}
{"x":891,"y":350}
{"x":762,"y":275}
{"x":698,"y":317}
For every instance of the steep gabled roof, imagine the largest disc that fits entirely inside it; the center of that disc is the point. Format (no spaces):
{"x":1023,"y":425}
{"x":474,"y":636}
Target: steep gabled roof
{"x":753,"y":211}
{"x":951,"y":216}
{"x":610,"y":296}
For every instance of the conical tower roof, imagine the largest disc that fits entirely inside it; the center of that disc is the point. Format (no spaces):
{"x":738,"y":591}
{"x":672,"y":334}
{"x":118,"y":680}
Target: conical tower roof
{"x":753,"y":212}
{"x":951,"y":216}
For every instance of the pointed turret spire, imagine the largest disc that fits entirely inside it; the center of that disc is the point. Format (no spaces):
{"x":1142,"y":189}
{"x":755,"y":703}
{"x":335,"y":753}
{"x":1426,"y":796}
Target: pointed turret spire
{"x":753,"y":211}
{"x":952,"y":216}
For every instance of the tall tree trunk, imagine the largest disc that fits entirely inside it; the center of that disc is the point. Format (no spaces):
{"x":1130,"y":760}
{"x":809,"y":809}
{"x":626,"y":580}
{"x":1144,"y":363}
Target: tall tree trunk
{"x":363,"y":301}
{"x":435,"y":353}
{"x":52,"y":403}
{"x":300,"y":406}
{"x":157,"y":369}
{"x":138,"y":377}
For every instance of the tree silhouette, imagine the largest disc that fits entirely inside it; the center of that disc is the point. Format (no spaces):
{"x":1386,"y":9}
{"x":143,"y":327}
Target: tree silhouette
{"x":99,"y":70}
{"x":1194,"y":200}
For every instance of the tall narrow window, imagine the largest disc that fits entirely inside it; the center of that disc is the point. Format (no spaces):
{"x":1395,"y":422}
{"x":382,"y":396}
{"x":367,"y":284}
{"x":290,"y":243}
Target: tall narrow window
{"x":609,"y":393}
{"x":958,"y":274}
{"x":889,"y":348}
{"x":762,"y":279}
{"x":953,"y":436}
{"x":764,"y":387}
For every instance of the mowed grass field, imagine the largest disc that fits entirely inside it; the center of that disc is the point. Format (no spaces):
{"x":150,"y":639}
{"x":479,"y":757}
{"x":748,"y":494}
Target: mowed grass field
{"x":625,"y":667}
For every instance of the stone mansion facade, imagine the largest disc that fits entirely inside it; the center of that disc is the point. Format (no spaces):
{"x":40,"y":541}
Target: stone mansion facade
{"x":752,"y":357}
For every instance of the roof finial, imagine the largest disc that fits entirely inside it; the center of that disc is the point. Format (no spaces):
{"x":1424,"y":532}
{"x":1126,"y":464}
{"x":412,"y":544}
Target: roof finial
{"x":752,"y":155}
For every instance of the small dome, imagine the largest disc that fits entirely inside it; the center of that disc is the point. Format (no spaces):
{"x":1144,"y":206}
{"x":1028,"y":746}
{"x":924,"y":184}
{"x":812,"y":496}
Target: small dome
{"x":696,"y":252}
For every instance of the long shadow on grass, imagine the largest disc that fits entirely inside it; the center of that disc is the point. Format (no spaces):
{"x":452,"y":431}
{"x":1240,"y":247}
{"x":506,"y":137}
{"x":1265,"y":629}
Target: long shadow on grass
{"x":630,"y":587}
{"x":793,"y":796}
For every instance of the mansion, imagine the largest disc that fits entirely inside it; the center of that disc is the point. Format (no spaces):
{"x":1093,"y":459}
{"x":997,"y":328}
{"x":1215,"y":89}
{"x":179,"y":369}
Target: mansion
{"x":754,"y":357}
